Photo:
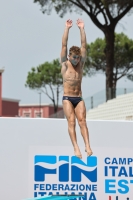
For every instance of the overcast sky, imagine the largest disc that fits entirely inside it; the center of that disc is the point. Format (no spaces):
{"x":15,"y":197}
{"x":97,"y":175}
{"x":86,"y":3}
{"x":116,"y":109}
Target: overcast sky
{"x":29,"y":38}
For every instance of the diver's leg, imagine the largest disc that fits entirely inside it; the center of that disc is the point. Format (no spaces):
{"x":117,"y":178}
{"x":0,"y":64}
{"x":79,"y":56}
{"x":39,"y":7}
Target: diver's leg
{"x":80,"y":112}
{"x":70,"y":115}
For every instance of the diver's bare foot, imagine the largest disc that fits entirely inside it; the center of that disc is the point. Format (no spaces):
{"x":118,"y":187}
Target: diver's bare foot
{"x":89,"y":151}
{"x":77,"y":152}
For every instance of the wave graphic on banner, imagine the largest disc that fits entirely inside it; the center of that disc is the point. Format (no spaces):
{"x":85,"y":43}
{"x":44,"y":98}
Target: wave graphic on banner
{"x":60,"y":163}
{"x":64,"y":168}
{"x":51,"y":166}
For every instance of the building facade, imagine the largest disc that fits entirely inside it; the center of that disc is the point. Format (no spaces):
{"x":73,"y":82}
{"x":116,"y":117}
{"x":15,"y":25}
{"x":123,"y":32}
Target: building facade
{"x":43,"y":111}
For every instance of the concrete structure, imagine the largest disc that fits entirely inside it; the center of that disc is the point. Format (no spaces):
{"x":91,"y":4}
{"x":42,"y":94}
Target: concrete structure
{"x":1,"y":71}
{"x":43,"y":111}
{"x":120,"y":108}
{"x":10,"y":107}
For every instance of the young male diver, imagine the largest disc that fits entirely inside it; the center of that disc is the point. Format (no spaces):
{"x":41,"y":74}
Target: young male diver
{"x":72,"y":72}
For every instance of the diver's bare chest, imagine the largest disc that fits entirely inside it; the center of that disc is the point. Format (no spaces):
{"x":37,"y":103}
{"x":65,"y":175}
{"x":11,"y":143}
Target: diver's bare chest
{"x":73,"y":73}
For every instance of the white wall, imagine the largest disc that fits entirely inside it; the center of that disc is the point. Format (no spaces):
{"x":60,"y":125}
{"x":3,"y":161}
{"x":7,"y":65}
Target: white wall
{"x":17,"y":136}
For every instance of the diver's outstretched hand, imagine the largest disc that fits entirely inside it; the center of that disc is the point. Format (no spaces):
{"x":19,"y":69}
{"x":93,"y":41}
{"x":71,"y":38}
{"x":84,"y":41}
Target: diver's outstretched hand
{"x":80,"y":23}
{"x":69,"y":23}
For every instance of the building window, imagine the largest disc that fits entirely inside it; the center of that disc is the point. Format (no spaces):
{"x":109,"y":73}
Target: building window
{"x":26,"y":114}
{"x":37,"y":115}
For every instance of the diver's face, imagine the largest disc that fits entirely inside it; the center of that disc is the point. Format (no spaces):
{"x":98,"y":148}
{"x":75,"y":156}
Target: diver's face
{"x":74,"y":59}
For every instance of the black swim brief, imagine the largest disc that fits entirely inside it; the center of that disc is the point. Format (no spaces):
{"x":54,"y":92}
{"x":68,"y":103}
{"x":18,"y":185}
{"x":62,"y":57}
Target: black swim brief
{"x":73,"y":100}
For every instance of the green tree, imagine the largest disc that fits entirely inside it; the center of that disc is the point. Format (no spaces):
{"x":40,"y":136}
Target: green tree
{"x":111,"y":11}
{"x":47,"y":78}
{"x":123,"y":57}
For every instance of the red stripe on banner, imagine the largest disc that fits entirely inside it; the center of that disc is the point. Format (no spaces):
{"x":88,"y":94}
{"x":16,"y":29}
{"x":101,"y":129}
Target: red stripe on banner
{"x":109,"y":197}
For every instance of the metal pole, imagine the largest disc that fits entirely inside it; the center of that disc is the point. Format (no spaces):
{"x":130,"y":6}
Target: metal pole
{"x":40,"y":102}
{"x":91,"y":102}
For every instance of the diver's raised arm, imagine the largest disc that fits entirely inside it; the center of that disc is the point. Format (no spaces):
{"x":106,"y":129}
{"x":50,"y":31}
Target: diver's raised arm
{"x":80,"y":24}
{"x":68,"y":25}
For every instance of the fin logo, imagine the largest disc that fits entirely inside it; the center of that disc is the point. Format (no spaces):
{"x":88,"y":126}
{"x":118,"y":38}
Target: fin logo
{"x":44,"y":165}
